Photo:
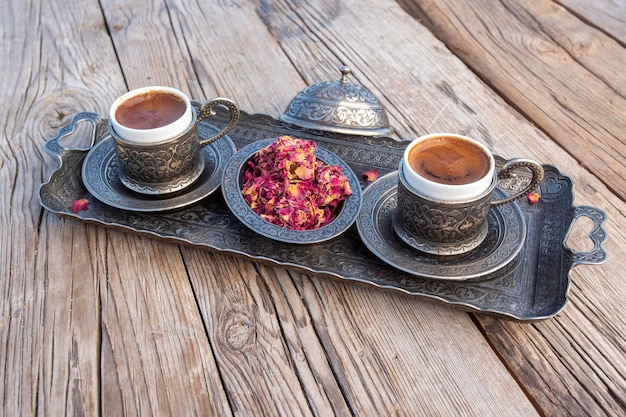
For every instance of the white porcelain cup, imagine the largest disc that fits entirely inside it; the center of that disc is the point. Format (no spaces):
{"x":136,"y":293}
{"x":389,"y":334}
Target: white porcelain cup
{"x":156,"y":134}
{"x":439,"y":190}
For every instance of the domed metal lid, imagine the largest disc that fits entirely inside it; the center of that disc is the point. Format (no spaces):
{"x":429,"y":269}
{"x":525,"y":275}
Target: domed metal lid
{"x":338,"y":106}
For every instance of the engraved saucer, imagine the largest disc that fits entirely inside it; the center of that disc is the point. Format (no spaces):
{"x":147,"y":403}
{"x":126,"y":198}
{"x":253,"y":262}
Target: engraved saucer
{"x":504,"y":240}
{"x":232,"y":183}
{"x":100,"y":175}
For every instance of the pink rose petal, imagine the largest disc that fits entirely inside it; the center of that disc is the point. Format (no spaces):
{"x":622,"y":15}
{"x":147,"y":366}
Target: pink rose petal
{"x":80,"y":205}
{"x":288,"y":186}
{"x":533,"y":198}
{"x":371,"y":175}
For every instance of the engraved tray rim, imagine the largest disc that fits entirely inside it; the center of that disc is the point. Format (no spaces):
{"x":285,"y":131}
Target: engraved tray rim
{"x":551,"y":273}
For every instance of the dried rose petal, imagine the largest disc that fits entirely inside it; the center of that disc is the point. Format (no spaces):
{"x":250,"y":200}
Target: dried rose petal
{"x":288,"y":186}
{"x":533,"y":198}
{"x":370,"y":175}
{"x":79,"y":205}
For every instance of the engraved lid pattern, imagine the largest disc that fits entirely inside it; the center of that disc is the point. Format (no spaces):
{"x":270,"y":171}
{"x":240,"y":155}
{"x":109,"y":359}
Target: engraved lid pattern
{"x":338,"y":106}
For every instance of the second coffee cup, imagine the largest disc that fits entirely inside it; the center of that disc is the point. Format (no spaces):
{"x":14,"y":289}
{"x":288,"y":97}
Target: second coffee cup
{"x":155,"y":131}
{"x":445,"y":192}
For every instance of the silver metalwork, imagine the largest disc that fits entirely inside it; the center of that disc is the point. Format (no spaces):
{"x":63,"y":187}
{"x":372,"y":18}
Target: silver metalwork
{"x":101,"y":176}
{"x":454,"y":227}
{"x":338,"y":106}
{"x":232,"y":184}
{"x":533,"y":286}
{"x":100,"y":171}
{"x":510,"y":170}
{"x":170,"y":166}
{"x":505,"y":231}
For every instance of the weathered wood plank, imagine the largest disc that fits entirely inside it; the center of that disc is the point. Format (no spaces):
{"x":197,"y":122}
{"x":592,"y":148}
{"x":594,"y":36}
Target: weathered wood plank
{"x":70,"y":364}
{"x":312,"y":41}
{"x":607,"y":15}
{"x":157,"y":358}
{"x":70,"y":67}
{"x":234,"y":55}
{"x":586,"y":380}
{"x":234,"y":293}
{"x":96,"y":320}
{"x":394,"y":354}
{"x":564,"y":75}
{"x":264,"y":342}
{"x":270,"y":359}
{"x":437,"y":93}
{"x":50,"y":268}
{"x":258,"y":395}
{"x":597,"y":292}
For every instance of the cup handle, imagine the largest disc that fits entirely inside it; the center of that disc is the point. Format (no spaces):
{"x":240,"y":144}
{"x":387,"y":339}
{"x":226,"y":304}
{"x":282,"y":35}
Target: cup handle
{"x":207,"y":111}
{"x":508,"y":171}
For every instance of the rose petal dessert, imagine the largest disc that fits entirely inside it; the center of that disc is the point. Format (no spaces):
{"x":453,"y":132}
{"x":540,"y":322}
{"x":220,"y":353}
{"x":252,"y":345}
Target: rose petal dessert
{"x":287,"y":185}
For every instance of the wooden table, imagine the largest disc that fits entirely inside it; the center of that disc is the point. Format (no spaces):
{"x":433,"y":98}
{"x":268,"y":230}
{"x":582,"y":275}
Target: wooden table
{"x":97,"y":321}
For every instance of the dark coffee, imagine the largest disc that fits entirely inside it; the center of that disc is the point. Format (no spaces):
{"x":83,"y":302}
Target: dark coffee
{"x":449,"y":160}
{"x":150,"y":110}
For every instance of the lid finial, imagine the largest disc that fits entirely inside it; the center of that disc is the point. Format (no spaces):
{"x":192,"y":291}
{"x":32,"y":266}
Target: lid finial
{"x":345,"y":71}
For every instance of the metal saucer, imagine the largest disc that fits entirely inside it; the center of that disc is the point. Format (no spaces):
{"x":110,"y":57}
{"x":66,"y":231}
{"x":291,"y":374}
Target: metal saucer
{"x":505,"y":238}
{"x":100,"y":175}
{"x":232,"y":184}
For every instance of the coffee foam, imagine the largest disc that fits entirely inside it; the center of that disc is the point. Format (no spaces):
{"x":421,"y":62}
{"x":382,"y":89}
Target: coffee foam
{"x":449,"y":160}
{"x":150,"y":110}
{"x":157,"y":134}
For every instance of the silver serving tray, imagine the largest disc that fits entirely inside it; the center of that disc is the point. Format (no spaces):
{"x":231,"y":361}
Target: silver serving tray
{"x":532,"y":287}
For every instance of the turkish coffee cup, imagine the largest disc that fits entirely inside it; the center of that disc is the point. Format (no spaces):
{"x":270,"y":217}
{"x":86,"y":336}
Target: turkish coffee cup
{"x":445,"y":191}
{"x":155,"y":132}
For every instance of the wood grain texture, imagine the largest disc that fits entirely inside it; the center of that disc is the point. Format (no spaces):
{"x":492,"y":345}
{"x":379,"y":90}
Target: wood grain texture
{"x":235,"y":55}
{"x":538,"y":56}
{"x":156,"y":359}
{"x":50,"y":269}
{"x":52,"y":281}
{"x":263,"y":394}
{"x":447,"y":97}
{"x":270,"y":359}
{"x":156,"y":355}
{"x":597,"y":292}
{"x":395,"y":353}
{"x":95,"y":321}
{"x":583,"y":382}
{"x":70,"y":361}
{"x":606,"y":15}
{"x":302,"y":361}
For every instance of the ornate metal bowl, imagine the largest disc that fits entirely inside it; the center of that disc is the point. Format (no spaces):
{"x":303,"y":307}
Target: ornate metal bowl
{"x":339,"y":107}
{"x":232,"y":183}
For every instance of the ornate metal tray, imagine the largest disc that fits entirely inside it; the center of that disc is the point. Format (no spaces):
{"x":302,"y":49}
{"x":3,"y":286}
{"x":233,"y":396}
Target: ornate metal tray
{"x":534,"y":286}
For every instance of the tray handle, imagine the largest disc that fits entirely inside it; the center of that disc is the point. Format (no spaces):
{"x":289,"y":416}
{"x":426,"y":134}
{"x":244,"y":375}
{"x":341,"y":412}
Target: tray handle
{"x":54,"y":146}
{"x":597,"y":234}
